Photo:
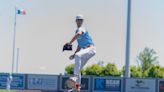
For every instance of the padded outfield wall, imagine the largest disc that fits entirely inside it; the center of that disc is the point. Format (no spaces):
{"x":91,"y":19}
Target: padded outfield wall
{"x":56,"y":83}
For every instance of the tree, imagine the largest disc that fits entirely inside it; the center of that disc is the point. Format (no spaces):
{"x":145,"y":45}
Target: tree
{"x":69,"y":69}
{"x":90,"y":70}
{"x":135,"y":72}
{"x":94,"y":70}
{"x":147,"y":59}
{"x":156,"y":72}
{"x":111,"y":70}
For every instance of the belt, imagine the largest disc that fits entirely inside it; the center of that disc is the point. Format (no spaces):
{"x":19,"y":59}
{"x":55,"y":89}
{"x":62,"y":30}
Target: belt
{"x":88,"y":46}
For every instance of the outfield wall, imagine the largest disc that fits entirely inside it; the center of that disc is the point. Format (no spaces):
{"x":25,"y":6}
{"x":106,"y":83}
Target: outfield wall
{"x":56,"y":83}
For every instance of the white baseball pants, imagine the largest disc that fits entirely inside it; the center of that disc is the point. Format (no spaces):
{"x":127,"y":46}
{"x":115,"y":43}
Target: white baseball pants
{"x":81,"y":59}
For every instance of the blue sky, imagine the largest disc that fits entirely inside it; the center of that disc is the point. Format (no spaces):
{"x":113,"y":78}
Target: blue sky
{"x":50,"y":23}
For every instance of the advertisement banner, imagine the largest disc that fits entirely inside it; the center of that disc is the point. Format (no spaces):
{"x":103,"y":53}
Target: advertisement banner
{"x":160,"y":85}
{"x":18,"y":81}
{"x":140,"y":85}
{"x":42,"y":82}
{"x":85,"y":83}
{"x":107,"y":84}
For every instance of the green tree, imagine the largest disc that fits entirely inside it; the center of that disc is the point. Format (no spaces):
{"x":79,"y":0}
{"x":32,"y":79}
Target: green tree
{"x":111,"y":70}
{"x":156,"y":72}
{"x":147,"y":59}
{"x":69,"y":69}
{"x":94,"y":69}
{"x":83,"y":72}
{"x":135,"y":72}
{"x":162,"y":69}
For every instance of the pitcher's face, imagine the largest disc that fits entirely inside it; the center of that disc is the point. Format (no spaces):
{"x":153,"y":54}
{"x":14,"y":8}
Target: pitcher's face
{"x":79,"y":22}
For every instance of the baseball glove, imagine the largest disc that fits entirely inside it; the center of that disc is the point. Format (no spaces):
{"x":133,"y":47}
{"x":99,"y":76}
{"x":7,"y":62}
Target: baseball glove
{"x":67,"y":47}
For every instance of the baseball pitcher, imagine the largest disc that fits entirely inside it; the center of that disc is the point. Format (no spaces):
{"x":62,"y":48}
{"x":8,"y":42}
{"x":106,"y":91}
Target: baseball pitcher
{"x":85,"y":50}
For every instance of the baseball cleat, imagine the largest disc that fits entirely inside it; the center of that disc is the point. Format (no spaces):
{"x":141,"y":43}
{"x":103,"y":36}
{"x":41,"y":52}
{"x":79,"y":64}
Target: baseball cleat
{"x":71,"y":82}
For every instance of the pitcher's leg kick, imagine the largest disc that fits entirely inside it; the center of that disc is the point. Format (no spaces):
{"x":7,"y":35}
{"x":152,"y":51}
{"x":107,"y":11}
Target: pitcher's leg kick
{"x":85,"y":50}
{"x":81,"y":59}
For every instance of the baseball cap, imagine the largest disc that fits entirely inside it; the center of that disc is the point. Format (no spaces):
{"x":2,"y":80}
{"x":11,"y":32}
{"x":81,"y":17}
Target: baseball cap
{"x":79,"y":16}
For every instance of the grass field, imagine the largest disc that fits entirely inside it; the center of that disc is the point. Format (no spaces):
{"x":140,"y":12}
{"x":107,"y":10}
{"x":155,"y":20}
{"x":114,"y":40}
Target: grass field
{"x":7,"y":91}
{"x":20,"y":90}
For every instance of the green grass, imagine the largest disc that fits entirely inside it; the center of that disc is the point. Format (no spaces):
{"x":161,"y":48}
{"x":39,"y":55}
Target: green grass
{"x":7,"y":91}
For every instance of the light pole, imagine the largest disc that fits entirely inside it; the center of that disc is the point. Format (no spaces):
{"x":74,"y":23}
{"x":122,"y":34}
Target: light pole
{"x":127,"y":57}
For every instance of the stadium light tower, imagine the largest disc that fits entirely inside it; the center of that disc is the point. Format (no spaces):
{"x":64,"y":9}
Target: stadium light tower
{"x":127,"y":57}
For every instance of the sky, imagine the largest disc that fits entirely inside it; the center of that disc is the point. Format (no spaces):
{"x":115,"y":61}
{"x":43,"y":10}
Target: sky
{"x":49,"y":24}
